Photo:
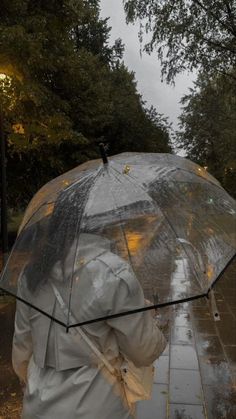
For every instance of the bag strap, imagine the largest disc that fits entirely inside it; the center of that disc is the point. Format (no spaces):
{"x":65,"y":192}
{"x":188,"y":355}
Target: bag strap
{"x":78,"y":330}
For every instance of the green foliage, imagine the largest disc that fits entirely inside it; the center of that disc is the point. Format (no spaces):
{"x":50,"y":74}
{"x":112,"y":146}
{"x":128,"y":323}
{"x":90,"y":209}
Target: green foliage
{"x":188,"y":34}
{"x":66,"y":88}
{"x":93,"y":34}
{"x":134,"y":127}
{"x":208,"y":124}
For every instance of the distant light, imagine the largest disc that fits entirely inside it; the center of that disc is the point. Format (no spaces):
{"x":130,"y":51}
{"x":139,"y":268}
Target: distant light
{"x":205,"y":167}
{"x":126,"y":169}
{"x":199,"y":169}
{"x":18,"y":129}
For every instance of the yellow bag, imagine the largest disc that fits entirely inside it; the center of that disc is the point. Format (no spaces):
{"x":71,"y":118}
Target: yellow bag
{"x":137,"y":381}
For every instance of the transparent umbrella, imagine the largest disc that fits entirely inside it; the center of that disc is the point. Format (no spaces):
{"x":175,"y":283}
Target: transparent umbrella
{"x":161,"y":215}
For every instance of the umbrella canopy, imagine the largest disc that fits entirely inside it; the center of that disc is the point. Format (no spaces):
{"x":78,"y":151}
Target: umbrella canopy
{"x":163,"y":216}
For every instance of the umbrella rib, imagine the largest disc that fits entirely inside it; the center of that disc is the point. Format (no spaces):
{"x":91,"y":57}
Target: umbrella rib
{"x":221,"y":273}
{"x":52,"y":202}
{"x":168,"y":303}
{"x":184,"y":170}
{"x":77,"y":235}
{"x":121,"y":224}
{"x":168,"y":221}
{"x":126,"y":313}
{"x":140,"y":310}
{"x":83,"y":178}
{"x":34,"y":307}
{"x":45,"y":203}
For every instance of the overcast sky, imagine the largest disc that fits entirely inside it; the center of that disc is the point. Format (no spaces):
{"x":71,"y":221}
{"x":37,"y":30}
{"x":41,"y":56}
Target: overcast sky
{"x":165,"y":98}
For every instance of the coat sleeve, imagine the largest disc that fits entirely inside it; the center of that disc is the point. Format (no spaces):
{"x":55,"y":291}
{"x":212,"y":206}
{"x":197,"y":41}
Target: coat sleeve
{"x":138,"y":335}
{"x":22,"y":347}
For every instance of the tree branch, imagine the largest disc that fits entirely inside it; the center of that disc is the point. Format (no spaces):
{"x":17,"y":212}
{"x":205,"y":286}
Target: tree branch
{"x":230,"y":14}
{"x":223,"y":73}
{"x":218,"y":45}
{"x":232,"y":31}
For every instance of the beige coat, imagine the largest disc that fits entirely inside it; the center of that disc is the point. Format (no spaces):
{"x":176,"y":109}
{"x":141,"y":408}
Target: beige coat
{"x":64,"y":379}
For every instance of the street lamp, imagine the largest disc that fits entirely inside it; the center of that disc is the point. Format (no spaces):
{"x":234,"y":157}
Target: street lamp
{"x":4,"y":232}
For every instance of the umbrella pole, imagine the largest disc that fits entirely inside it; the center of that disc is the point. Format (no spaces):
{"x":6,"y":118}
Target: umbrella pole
{"x":214,"y":308}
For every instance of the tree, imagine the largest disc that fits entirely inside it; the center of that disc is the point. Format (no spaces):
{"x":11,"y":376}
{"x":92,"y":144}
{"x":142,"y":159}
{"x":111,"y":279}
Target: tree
{"x":188,"y":34}
{"x":132,"y":126}
{"x":35,"y":41}
{"x":93,"y":34}
{"x":66,"y":88}
{"x":208,"y":123}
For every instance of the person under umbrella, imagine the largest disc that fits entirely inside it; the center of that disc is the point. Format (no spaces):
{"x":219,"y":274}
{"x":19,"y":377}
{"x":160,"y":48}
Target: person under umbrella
{"x":162,"y":227}
{"x":61,"y":375}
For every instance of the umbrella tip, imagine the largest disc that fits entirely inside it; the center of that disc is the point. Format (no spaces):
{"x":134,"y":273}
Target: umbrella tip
{"x":103,"y":153}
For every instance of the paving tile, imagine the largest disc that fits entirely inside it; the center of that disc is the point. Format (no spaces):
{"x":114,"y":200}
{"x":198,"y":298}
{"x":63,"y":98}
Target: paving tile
{"x":205,"y":326}
{"x":219,"y":297}
{"x":200,"y":302}
{"x":231,"y":355}
{"x":185,"y":387}
{"x":209,"y":345}
{"x":214,"y":370}
{"x":179,"y":290}
{"x":182,"y":319}
{"x":183,"y":357}
{"x":156,"y":408}
{"x":186,"y":411}
{"x":166,"y":351}
{"x":201,"y":312}
{"x":230,"y":352}
{"x":227,"y":329}
{"x":161,"y":374}
{"x":231,"y":300}
{"x":181,"y":335}
{"x":227,"y":282}
{"x":220,"y":402}
{"x":223,"y":306}
{"x":233,"y":311}
{"x":183,"y":307}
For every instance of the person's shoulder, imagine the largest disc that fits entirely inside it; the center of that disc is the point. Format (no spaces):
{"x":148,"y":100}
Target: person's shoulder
{"x":121,"y":270}
{"x":114,"y":262}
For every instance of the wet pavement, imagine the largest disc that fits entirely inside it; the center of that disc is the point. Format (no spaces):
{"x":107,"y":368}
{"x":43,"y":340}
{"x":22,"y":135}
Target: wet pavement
{"x":195,"y":377}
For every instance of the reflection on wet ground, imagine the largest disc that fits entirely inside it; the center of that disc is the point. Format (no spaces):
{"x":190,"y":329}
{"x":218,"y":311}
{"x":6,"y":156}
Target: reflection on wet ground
{"x":195,"y":377}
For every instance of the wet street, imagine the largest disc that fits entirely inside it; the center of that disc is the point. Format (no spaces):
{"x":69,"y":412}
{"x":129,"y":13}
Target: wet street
{"x":195,"y":377}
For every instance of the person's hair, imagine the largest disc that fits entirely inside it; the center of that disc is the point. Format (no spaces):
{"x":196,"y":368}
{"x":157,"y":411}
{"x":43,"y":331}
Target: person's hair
{"x":53,"y":238}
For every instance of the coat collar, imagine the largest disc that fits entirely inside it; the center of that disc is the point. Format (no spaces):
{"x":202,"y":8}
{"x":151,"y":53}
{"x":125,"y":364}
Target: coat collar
{"x":87,"y":248}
